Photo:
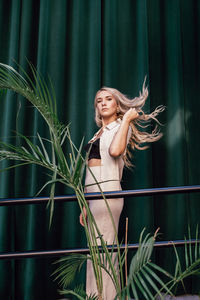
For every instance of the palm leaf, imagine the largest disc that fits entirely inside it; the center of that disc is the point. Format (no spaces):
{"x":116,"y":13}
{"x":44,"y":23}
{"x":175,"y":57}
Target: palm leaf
{"x":78,"y":166}
{"x":70,"y":265}
{"x":80,"y":293}
{"x":73,"y":293}
{"x":51,"y":199}
{"x":143,"y":278}
{"x":37,"y":93}
{"x":45,"y":153}
{"x":43,"y":99}
{"x":191,"y":263}
{"x":16,"y":153}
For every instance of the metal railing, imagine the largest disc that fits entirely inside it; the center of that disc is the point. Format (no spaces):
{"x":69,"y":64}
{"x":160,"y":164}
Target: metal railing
{"x":94,"y":196}
{"x":55,"y":253}
{"x":113,"y":194}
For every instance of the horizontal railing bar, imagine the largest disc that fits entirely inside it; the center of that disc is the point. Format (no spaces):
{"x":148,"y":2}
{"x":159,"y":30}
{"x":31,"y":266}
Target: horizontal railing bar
{"x":55,"y":253}
{"x":113,"y":194}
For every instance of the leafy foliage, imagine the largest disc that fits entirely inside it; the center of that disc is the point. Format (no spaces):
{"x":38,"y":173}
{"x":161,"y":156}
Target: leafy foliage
{"x":42,"y":96}
{"x":191,"y":263}
{"x":144,"y":275}
{"x":69,"y":265}
{"x":79,"y":293}
{"x":69,"y":171}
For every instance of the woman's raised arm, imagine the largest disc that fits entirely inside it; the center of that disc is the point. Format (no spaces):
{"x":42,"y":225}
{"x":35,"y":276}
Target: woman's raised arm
{"x":119,"y":142}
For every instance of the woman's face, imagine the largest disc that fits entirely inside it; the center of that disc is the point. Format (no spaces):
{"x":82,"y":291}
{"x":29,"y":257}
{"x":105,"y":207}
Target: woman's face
{"x":106,"y":105}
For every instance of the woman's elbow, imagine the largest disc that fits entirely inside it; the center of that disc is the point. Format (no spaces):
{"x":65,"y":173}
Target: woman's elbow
{"x":115,"y":152}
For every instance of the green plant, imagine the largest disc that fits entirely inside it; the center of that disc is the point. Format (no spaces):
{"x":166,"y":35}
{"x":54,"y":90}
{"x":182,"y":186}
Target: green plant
{"x":143,"y":274}
{"x":66,"y":170}
{"x":190,"y":265}
{"x":144,"y":279}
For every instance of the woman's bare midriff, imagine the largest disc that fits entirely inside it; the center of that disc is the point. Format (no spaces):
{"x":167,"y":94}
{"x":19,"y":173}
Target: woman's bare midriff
{"x":94,"y":162}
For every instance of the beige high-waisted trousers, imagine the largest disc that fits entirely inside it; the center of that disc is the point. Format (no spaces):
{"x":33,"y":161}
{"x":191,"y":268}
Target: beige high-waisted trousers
{"x":104,"y":223}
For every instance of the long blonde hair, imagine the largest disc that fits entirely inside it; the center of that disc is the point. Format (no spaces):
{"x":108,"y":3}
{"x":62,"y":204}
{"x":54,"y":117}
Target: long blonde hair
{"x":138,"y":137}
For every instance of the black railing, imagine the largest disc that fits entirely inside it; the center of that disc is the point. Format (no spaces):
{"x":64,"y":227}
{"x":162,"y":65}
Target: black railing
{"x":94,"y":196}
{"x":55,"y":253}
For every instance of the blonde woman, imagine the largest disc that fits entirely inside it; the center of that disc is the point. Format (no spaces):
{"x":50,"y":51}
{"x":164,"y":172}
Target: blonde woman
{"x":122,"y":122}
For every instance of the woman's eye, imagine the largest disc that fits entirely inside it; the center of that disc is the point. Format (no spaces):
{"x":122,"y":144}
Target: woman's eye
{"x":109,"y":99}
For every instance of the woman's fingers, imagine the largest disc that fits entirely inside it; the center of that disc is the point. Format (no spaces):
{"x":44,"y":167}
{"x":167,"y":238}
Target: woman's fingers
{"x":131,"y":114}
{"x":81,"y":217}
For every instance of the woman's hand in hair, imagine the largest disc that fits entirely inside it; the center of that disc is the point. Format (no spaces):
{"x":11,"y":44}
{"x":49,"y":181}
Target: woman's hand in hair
{"x":119,"y":142}
{"x":131,"y":115}
{"x":81,"y":216}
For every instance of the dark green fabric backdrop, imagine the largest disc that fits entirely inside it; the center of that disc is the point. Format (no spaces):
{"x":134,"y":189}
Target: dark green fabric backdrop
{"x":83,"y":45}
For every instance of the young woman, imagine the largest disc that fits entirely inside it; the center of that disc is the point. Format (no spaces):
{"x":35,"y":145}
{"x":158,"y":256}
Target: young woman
{"x":120,"y":120}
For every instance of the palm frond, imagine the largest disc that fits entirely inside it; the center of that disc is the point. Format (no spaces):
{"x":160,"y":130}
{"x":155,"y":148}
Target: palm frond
{"x":191,"y":264}
{"x":78,"y":166}
{"x":42,"y":96}
{"x":80,"y":293}
{"x":45,"y":153}
{"x":13,"y":166}
{"x":38,"y":93}
{"x":33,"y":155}
{"x":143,"y":278}
{"x":70,"y":265}
{"x":50,"y":182}
{"x":73,"y":293}
{"x":51,"y":199}
{"x":18,"y":154}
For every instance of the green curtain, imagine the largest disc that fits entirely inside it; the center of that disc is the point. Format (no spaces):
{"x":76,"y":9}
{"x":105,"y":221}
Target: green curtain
{"x":83,"y":45}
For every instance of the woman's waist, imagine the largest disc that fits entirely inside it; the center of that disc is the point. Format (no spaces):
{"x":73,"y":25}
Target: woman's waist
{"x":96,"y":180}
{"x":104,"y":172}
{"x":98,"y":187}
